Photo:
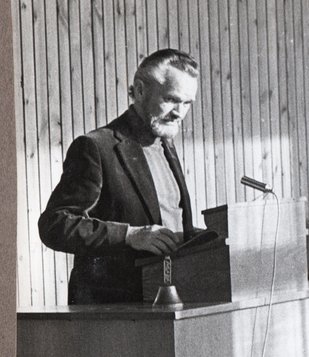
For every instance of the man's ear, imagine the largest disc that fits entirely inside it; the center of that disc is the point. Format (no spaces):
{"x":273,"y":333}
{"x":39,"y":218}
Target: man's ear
{"x":139,"y":89}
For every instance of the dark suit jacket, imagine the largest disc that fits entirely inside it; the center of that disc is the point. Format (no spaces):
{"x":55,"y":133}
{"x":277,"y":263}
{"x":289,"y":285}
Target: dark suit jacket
{"x":106,"y":184}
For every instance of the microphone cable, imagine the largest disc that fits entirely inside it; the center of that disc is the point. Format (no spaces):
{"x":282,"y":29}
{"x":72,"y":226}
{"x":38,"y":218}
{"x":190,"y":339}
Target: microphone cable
{"x":245,"y":180}
{"x":274,"y":271}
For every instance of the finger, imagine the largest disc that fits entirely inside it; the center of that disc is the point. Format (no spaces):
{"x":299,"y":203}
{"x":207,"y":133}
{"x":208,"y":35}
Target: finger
{"x":168,"y":233}
{"x":160,"y":244}
{"x":167,"y":241}
{"x":154,"y":250}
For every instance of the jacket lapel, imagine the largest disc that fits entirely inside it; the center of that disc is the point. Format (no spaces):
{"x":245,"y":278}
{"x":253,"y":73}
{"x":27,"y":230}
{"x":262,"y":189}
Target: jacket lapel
{"x":135,"y":163}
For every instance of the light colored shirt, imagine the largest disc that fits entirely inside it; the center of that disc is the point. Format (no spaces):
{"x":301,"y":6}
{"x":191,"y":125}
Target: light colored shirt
{"x":166,"y":186}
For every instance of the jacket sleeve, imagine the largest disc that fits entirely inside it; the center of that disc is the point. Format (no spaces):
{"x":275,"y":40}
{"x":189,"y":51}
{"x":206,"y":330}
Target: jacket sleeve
{"x":66,"y":225}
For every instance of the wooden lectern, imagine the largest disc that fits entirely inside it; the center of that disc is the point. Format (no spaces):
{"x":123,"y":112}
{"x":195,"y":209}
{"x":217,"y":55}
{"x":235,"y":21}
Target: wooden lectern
{"x":239,"y":264}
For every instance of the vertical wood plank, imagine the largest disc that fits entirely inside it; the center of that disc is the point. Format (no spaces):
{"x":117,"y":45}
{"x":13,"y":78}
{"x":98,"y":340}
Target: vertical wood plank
{"x":99,"y":62}
{"x":273,"y":96}
{"x":131,"y":36}
{"x":300,"y":100}
{"x":207,"y":113}
{"x":217,"y":102}
{"x":65,"y":88}
{"x":23,"y":258}
{"x":245,"y":94}
{"x":43,"y":139}
{"x":305,"y":22}
{"x":283,"y":101}
{"x":173,"y":25}
{"x":65,"y":75}
{"x":197,"y":123}
{"x":32,"y":174}
{"x":188,"y":151}
{"x":163,"y":28}
{"x":76,"y":69}
{"x":152,"y":30}
{"x":87,"y":65}
{"x":291,"y":85}
{"x":254,"y":93}
{"x":141,"y":24}
{"x":55,"y":131}
{"x":226,"y":102}
{"x":109,"y":53}
{"x":264,"y":90}
{"x":121,"y":58}
{"x":236,"y":99}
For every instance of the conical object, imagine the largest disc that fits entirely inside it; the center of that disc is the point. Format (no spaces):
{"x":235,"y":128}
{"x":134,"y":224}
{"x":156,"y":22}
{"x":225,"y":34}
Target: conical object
{"x":167,"y":296}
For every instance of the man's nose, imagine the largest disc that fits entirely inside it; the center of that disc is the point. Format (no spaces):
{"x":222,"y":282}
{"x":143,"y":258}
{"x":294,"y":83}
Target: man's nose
{"x":178,"y":111}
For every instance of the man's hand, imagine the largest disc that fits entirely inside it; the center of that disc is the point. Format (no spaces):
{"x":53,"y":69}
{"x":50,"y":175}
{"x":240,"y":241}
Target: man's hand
{"x":155,"y":239}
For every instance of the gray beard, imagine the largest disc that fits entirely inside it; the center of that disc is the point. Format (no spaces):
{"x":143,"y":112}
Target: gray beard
{"x":164,"y":130}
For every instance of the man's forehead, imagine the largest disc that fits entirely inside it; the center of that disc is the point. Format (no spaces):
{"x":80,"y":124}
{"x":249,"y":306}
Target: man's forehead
{"x":165,"y":72}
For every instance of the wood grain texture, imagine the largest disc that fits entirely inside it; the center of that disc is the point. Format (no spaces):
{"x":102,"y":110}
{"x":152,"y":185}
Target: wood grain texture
{"x":250,"y":115}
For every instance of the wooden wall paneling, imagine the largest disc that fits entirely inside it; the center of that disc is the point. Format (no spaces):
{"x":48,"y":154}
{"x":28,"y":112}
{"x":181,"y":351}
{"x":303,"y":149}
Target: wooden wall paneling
{"x":173,"y":40}
{"x":245,"y":93}
{"x":197,"y":126}
{"x":274,"y":96}
{"x":187,"y":125}
{"x":99,"y":63}
{"x":264,"y":90}
{"x":216,"y":77}
{"x":65,"y":88}
{"x":109,"y":53}
{"x":300,"y":100}
{"x":65,"y":75}
{"x":23,"y":253}
{"x":224,"y":29}
{"x":32,"y":174}
{"x":305,"y":23}
{"x":236,"y":99}
{"x":152,"y":30}
{"x":254,"y":93}
{"x":162,"y":25}
{"x":292,"y":106}
{"x":205,"y":89}
{"x":55,"y":132}
{"x":283,"y":101}
{"x":141,"y":29}
{"x":87,"y":64}
{"x":76,"y":70}
{"x":41,"y":94}
{"x":173,"y":23}
{"x":131,"y":40}
{"x":121,"y":58}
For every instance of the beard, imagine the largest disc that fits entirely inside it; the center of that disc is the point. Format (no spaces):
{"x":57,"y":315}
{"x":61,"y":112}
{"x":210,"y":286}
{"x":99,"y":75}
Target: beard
{"x":165,"y":128}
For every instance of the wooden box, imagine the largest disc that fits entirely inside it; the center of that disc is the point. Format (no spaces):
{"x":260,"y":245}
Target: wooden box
{"x":239,"y":264}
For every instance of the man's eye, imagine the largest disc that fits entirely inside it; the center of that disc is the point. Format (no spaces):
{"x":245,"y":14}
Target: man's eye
{"x":169,"y":100}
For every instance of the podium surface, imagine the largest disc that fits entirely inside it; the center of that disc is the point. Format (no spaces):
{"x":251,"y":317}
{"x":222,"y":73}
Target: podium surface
{"x":137,"y":330}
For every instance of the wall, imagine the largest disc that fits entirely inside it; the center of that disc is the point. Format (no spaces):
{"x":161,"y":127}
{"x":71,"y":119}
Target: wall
{"x":75,"y":60}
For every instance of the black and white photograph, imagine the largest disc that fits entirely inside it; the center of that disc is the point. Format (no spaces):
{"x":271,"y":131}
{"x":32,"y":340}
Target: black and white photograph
{"x":160,"y":177}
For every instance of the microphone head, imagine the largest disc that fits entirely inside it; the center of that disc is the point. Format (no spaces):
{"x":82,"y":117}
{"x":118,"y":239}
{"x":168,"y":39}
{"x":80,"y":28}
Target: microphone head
{"x":261,"y":186}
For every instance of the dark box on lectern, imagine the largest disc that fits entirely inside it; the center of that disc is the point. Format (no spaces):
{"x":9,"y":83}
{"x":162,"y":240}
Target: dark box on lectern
{"x":239,"y":263}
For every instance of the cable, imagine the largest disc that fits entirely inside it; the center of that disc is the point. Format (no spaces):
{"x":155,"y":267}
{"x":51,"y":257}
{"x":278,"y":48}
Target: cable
{"x":273,"y":278}
{"x":258,"y":278}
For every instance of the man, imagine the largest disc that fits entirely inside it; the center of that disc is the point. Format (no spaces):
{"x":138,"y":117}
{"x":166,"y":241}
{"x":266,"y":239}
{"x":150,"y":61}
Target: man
{"x":122,"y":192}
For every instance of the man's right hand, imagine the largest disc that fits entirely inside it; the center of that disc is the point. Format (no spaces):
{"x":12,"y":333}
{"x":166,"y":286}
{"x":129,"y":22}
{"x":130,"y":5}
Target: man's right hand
{"x":155,"y":239}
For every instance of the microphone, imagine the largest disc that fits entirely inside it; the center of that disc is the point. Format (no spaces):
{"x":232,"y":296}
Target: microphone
{"x":261,"y":186}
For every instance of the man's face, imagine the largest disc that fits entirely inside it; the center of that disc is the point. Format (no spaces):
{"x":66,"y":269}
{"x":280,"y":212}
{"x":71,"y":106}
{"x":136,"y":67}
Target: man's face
{"x":165,"y":105}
